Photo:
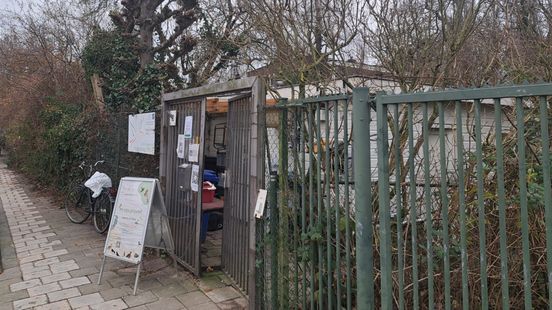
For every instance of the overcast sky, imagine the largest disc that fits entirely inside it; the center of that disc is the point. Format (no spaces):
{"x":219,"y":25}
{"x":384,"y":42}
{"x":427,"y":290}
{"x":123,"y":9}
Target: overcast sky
{"x":7,"y":5}
{"x":13,"y":5}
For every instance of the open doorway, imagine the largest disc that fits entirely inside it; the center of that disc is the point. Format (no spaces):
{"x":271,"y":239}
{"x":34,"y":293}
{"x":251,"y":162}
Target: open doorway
{"x":212,"y":220}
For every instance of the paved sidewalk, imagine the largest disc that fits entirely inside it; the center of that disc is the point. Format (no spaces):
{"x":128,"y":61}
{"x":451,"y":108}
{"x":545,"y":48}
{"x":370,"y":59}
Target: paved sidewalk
{"x":57,"y":263}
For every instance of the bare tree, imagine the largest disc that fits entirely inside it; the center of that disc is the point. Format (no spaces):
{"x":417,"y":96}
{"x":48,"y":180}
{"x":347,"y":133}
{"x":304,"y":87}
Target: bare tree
{"x":300,"y":41}
{"x":419,"y":41}
{"x":145,"y":19}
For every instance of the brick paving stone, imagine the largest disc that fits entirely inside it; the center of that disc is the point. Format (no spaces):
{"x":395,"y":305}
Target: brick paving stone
{"x":31,"y":258}
{"x":25,"y":285}
{"x":207,"y":306}
{"x":42,"y":228}
{"x":84,"y":272}
{"x":168,"y":291}
{"x":238,"y":303}
{"x":93,"y":288}
{"x":47,"y":261}
{"x":30,"y":268}
{"x":51,"y":243}
{"x":41,"y":250}
{"x":142,"y":307}
{"x":86,"y":300}
{"x":140,"y":299}
{"x":222,"y":294}
{"x":193,"y":298}
{"x":43,"y":289}
{"x":63,"y":294}
{"x":64,"y":266}
{"x":170,"y":303}
{"x":55,"y":253}
{"x":55,"y":277}
{"x":9,"y":297}
{"x":30,"y":302}
{"x":116,"y":292}
{"x":59,"y":305}
{"x":115,"y":304}
{"x":74,"y":282}
{"x":38,"y":274}
{"x":10,"y":273}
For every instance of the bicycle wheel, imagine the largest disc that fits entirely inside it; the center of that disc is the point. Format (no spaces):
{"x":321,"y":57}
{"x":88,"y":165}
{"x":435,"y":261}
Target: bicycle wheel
{"x":102,"y":212}
{"x":77,"y":206}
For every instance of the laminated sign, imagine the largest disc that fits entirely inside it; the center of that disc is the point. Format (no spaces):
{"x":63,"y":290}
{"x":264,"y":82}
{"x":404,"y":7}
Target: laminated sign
{"x":141,"y":133}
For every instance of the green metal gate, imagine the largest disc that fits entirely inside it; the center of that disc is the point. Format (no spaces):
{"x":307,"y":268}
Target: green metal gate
{"x":305,"y":243}
{"x":462,"y":214}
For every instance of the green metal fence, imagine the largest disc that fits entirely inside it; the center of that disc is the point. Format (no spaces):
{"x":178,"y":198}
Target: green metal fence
{"x":112,"y":147}
{"x":447,"y":205}
{"x":462,"y":214}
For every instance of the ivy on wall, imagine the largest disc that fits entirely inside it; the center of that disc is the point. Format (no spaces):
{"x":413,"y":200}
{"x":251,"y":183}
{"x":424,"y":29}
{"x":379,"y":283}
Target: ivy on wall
{"x":126,"y":86}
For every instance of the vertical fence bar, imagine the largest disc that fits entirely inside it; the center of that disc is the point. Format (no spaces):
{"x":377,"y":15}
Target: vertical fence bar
{"x":363,"y":199}
{"x":337,"y":206}
{"x":445,"y":204}
{"x":296,"y":235}
{"x":386,"y":292}
{"x":327,"y":205}
{"x":412,"y":203}
{"x":462,"y":205}
{"x":260,"y":270}
{"x":547,"y":190}
{"x":398,"y":195}
{"x":347,"y":202}
{"x":501,"y":205}
{"x":481,"y":207}
{"x":272,"y":203}
{"x":428,"y":208}
{"x":523,"y":202}
{"x":319,"y":212}
{"x":311,"y":203}
{"x":283,"y":218}
{"x":304,"y":242}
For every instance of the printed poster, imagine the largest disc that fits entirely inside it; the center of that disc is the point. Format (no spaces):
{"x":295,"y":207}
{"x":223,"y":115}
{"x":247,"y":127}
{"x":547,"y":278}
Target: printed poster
{"x":188,"y":126}
{"x":180,"y":146}
{"x":125,"y":239}
{"x":141,"y":133}
{"x":193,"y":153}
{"x":172,"y":118}
{"x":194,"y":182}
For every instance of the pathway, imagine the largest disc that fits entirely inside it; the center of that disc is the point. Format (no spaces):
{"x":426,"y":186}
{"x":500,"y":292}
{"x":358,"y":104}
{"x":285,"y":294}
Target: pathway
{"x":50,"y":263}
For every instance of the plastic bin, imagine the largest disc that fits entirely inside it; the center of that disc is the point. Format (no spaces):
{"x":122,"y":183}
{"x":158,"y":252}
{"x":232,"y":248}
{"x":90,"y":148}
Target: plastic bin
{"x":208,"y":192}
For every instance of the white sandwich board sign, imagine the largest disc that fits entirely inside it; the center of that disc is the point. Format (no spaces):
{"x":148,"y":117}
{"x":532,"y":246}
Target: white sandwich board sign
{"x":139,"y":220}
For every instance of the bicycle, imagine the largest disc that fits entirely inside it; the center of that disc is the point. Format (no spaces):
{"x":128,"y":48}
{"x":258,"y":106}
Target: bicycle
{"x":82,"y":204}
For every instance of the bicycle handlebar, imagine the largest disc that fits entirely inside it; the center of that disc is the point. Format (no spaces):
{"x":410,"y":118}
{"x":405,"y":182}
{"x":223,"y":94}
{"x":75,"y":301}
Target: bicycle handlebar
{"x":90,"y":167}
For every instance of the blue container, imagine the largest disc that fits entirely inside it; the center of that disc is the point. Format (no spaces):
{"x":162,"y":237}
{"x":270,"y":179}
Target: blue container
{"x":211,"y":176}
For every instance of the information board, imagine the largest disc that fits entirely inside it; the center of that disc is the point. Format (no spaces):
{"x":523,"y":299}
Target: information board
{"x":139,"y":220}
{"x":127,"y":231}
{"x":141,"y":133}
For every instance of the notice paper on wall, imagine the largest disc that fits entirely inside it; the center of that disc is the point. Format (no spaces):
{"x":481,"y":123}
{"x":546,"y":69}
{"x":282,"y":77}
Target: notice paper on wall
{"x":194,"y":182}
{"x":188,"y":126}
{"x":261,"y":202}
{"x":180,"y":147}
{"x":172,"y":118}
{"x":193,"y":153}
{"x":141,"y":133}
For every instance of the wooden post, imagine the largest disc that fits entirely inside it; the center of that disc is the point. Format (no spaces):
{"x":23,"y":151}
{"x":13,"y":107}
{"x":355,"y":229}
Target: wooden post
{"x":98,"y":93}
